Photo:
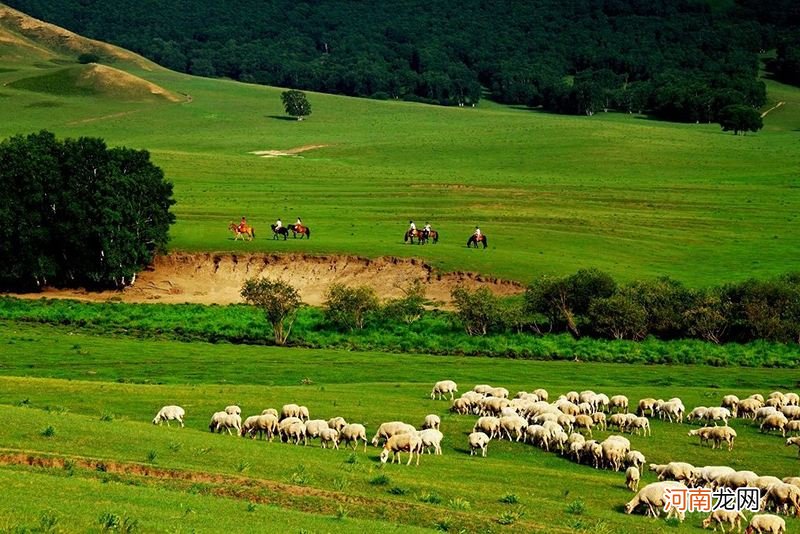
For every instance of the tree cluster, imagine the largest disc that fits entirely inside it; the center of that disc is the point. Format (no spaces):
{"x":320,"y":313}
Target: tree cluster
{"x":75,"y":212}
{"x":676,"y":59}
{"x":590,"y":302}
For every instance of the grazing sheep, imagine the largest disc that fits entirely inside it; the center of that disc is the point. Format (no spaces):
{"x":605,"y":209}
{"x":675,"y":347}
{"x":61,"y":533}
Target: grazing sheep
{"x":791,"y":412}
{"x":538,"y":436}
{"x":297,"y":431}
{"x":635,"y":459}
{"x":703,"y":433}
{"x":765,"y":482}
{"x":575,"y":450}
{"x":646,"y":404}
{"x":792,"y":399}
{"x":593,"y":452}
{"x":757,"y":396}
{"x":553,"y":418}
{"x":513,"y":424}
{"x":747,"y":408}
{"x":584,"y":422}
{"x":170,"y":413}
{"x":501,"y":393}
{"x":731,"y":402}
{"x":673,"y":409}
{"x":387,"y":430}
{"x":737,"y":479}
{"x":586,"y":408}
{"x":559,"y":440}
{"x":678,"y":471}
{"x":488,"y":425}
{"x":443,"y":387}
{"x":601,"y":402}
{"x":290,"y":410}
{"x":431,"y":438}
{"x":766,"y":523}
{"x":352,"y":433}
{"x":270,"y":411}
{"x":567,"y":407}
{"x":780,"y":496}
{"x":618,"y":420}
{"x":718,"y":434}
{"x":329,"y":435}
{"x":478,"y":440}
{"x":763,"y":413}
{"x":573,"y":397}
{"x":304,"y":413}
{"x":283,"y":427}
{"x":224,"y":421}
{"x":640,"y":424}
{"x":618,"y":403}
{"x":482,"y":389}
{"x":599,"y":419}
{"x":794,"y":441}
{"x":461,"y":406}
{"x":720,"y":517}
{"x":431,"y":421}
{"x":792,"y":480}
{"x":337,"y":423}
{"x":410,"y":443}
{"x":567,"y":422}
{"x":697,"y":413}
{"x":613,"y":454}
{"x":776,"y":421}
{"x":249,"y":426}
{"x":653,"y":496}
{"x":710,"y":475}
{"x":716,"y":413}
{"x":233,"y":410}
{"x":315,"y":427}
{"x":624,"y":442}
{"x":542,"y":394}
{"x":493,"y":405}
{"x":632,"y":479}
{"x":266,"y":426}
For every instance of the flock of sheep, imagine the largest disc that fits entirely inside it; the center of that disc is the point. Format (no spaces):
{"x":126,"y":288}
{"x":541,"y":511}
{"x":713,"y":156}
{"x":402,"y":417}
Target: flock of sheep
{"x":561,"y":426}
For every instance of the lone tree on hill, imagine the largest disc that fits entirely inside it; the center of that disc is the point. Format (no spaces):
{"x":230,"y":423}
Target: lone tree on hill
{"x":296,"y":104}
{"x":740,"y":119}
{"x":278,"y":300}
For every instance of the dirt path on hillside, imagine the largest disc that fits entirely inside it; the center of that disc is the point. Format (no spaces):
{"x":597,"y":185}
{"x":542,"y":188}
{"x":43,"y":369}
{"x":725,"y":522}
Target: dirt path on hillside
{"x":776,"y":106}
{"x":217,"y":278}
{"x":288,"y":152}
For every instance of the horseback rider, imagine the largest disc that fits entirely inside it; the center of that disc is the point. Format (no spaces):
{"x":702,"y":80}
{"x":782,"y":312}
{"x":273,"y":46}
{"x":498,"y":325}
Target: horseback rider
{"x":428,"y":227}
{"x":412,"y":228}
{"x":242,"y":224}
{"x":477,"y":234}
{"x":278,"y":224}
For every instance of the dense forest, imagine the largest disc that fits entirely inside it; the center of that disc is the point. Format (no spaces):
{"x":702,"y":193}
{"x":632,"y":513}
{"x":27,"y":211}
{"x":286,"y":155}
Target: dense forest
{"x":677,"y":59}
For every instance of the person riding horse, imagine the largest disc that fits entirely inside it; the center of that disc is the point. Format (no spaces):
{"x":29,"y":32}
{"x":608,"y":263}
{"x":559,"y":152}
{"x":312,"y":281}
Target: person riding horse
{"x":242,"y":225}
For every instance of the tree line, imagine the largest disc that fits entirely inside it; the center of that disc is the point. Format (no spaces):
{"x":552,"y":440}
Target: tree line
{"x":679,"y":60}
{"x":74,"y":212}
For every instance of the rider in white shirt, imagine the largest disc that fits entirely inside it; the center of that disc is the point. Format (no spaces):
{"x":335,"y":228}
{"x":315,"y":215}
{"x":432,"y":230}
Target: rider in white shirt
{"x":278,"y":224}
{"x":411,"y":226}
{"x":477,"y":233}
{"x":298,"y":222}
{"x":427,"y":227}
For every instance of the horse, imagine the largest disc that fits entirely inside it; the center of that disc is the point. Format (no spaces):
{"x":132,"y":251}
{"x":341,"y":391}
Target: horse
{"x":277,"y":232}
{"x":474,"y":240}
{"x":242,"y":230}
{"x":411,"y":234}
{"x":302,"y":230}
{"x":434,"y":236}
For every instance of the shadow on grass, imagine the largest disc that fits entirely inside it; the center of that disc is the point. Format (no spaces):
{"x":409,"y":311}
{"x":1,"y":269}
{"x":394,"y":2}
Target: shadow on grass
{"x":282,"y":118}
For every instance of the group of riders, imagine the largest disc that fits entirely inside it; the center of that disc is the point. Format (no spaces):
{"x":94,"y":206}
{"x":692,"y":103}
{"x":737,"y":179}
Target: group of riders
{"x":422,"y":236}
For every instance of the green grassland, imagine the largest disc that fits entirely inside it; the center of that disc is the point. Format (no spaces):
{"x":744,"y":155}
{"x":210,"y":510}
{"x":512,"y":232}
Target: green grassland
{"x":629,"y":195}
{"x":99,"y":394}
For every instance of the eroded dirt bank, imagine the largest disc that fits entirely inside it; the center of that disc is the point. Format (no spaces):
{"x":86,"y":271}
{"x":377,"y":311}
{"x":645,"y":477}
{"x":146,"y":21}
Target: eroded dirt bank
{"x":208,"y":278}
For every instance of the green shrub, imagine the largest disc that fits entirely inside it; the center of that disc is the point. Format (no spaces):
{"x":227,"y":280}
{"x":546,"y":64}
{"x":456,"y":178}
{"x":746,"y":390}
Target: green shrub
{"x":349,"y":307}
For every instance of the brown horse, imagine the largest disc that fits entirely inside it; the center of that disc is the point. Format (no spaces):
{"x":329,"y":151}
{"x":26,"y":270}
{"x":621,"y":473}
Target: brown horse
{"x":243,"y":231}
{"x":420,"y":235}
{"x":302,"y":230}
{"x":474,"y":240}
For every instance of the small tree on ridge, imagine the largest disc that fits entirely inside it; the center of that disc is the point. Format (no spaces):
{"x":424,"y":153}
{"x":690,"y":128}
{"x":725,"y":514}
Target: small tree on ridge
{"x":278,"y":300}
{"x":296,"y":104}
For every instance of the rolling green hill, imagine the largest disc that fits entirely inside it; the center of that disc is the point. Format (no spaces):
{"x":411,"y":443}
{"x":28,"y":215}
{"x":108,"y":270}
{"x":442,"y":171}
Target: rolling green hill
{"x":628,"y":195}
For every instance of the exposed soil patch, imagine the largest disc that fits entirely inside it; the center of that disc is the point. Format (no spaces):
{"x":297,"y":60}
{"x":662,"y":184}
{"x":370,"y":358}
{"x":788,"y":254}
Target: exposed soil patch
{"x":217,"y":278}
{"x":291,"y":152}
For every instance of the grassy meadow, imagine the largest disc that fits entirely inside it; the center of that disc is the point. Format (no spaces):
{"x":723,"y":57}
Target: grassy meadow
{"x":631,"y":196}
{"x":80,"y":407}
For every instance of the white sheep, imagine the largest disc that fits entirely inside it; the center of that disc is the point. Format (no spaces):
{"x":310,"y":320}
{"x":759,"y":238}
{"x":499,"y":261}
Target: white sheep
{"x":290,"y":410}
{"x":267,"y":426}
{"x":698,"y":413}
{"x":737,"y":479}
{"x":722,"y":433}
{"x":443,"y":387}
{"x":337,"y":423}
{"x":283,"y":426}
{"x":635,"y":459}
{"x":482,"y":389}
{"x":747,"y":408}
{"x":387,"y":430}
{"x":542,"y":394}
{"x":632,"y":479}
{"x":780,"y":496}
{"x":501,"y":393}
{"x":711,"y":475}
{"x":640,"y":424}
{"x":270,"y":411}
{"x":775,"y":421}
{"x":613,"y":454}
{"x":731,"y":402}
{"x":352,"y":433}
{"x":478,"y":440}
{"x":584,"y":422}
{"x":431,"y":438}
{"x":314,"y":427}
{"x":792,"y":399}
{"x":645,"y":405}
{"x":410,"y":443}
{"x":794,"y":441}
{"x":619,"y":403}
{"x":488,"y":425}
{"x":716,"y":413}
{"x":224,"y":421}
{"x":461,"y":406}
{"x":170,"y":413}
{"x":329,"y":435}
{"x":249,"y":426}
{"x":513,"y":424}
{"x":431,"y":421}
{"x":653,"y":496}
{"x":304,"y":413}
{"x":766,"y":523}
{"x":297,"y":431}
{"x":678,"y":471}
{"x":720,"y":517}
